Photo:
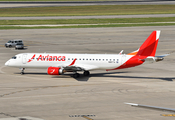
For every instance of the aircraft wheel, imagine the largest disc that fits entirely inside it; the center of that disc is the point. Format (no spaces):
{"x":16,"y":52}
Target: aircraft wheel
{"x":22,"y":73}
{"x":76,"y":75}
{"x":86,"y":73}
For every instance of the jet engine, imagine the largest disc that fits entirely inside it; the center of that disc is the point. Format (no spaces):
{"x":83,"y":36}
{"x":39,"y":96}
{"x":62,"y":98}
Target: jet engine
{"x":54,"y":71}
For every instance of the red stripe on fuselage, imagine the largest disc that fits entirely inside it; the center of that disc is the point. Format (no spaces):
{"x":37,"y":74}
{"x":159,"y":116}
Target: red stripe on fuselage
{"x":132,"y":62}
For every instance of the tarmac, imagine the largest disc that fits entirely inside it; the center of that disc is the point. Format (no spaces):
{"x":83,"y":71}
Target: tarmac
{"x":101,"y":96}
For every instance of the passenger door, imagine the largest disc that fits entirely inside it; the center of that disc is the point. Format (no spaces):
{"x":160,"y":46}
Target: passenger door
{"x":123,"y":59}
{"x":24,"y":58}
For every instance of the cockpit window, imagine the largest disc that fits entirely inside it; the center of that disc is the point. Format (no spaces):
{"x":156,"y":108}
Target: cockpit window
{"x":14,"y":57}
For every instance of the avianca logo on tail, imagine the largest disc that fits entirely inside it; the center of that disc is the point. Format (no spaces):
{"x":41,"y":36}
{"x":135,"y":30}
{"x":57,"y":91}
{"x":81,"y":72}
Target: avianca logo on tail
{"x":48,"y":58}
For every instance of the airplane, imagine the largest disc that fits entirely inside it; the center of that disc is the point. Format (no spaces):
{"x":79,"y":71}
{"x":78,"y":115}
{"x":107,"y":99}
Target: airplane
{"x":152,"y":107}
{"x":59,"y":63}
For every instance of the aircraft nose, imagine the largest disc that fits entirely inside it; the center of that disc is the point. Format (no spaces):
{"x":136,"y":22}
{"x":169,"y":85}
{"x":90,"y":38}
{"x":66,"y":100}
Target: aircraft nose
{"x":7,"y":63}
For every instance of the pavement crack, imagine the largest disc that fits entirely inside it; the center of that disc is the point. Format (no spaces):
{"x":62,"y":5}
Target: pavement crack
{"x":27,"y":90}
{"x":5,"y":114}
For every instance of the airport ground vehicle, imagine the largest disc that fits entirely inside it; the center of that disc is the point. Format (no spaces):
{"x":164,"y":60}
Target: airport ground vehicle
{"x":12,"y":43}
{"x":19,"y":45}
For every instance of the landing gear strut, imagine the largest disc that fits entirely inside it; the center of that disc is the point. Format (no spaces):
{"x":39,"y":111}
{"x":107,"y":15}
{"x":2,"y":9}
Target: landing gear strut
{"x":22,"y":71}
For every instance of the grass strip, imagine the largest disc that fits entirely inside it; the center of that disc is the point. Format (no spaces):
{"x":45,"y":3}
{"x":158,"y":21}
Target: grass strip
{"x":86,"y":21}
{"x":88,"y":10}
{"x":90,"y":26}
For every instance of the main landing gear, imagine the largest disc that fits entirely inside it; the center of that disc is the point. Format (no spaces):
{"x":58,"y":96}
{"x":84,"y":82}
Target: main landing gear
{"x":77,"y":75}
{"x":86,"y":73}
{"x":22,"y":71}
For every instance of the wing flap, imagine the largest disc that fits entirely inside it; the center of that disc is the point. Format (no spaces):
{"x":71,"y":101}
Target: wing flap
{"x":79,"y":67}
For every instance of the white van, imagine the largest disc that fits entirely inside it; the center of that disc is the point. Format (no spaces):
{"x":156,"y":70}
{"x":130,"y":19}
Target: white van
{"x":12,"y":43}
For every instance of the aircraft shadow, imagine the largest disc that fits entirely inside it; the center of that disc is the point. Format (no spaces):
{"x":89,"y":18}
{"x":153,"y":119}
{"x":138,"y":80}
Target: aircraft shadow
{"x":108,"y":75}
{"x":25,"y":48}
{"x":111,"y":75}
{"x":135,"y":77}
{"x":29,"y":73}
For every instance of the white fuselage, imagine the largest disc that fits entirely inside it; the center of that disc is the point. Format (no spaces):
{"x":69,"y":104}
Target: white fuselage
{"x":86,"y":61}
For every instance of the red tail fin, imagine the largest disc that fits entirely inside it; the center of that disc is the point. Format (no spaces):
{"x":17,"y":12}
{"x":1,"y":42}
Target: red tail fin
{"x":148,"y":48}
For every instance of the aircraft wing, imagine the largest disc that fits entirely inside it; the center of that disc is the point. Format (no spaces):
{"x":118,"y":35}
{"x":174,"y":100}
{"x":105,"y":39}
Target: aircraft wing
{"x":73,"y":67}
{"x":152,"y":107}
{"x":79,"y":67}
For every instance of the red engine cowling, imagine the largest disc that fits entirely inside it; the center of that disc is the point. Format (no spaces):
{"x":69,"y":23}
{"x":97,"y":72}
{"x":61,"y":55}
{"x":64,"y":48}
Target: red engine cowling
{"x":54,"y":71}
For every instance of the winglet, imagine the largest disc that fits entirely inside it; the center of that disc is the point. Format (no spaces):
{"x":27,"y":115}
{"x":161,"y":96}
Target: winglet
{"x":121,"y":52}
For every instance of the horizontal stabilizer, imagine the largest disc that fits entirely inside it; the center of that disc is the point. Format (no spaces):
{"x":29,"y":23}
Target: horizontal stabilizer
{"x":161,"y":56}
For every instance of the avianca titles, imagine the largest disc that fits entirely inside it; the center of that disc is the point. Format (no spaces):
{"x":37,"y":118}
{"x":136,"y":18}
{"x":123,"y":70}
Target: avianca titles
{"x":59,"y":63}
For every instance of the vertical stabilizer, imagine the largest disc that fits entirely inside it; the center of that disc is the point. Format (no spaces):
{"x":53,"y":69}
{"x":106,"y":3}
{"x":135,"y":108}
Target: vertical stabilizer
{"x":148,"y":48}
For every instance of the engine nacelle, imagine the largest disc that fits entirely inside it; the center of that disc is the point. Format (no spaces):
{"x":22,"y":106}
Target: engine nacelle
{"x":54,"y":71}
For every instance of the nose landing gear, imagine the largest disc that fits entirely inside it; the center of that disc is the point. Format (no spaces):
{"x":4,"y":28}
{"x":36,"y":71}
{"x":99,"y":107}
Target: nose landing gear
{"x":22,"y":70}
